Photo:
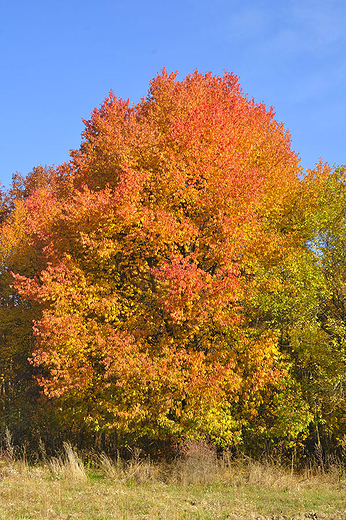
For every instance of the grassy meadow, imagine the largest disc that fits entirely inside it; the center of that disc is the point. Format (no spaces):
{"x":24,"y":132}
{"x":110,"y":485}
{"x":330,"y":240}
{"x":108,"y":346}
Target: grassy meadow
{"x":197,"y":486}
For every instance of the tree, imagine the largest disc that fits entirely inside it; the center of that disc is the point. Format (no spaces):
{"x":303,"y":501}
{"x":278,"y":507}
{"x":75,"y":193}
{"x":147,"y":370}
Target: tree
{"x":159,"y":235}
{"x":19,"y":394}
{"x":303,"y":299}
{"x":327,"y":360}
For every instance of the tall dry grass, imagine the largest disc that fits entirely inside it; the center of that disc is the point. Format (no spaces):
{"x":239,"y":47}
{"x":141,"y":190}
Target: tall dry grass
{"x":200,"y":465}
{"x":68,"y":465}
{"x":199,"y":484}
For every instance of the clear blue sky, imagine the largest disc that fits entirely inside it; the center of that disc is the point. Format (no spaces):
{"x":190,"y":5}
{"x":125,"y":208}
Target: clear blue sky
{"x":60,"y":58}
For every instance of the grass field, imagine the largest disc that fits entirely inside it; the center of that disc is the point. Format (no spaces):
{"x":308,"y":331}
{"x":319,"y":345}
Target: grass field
{"x":200,"y":486}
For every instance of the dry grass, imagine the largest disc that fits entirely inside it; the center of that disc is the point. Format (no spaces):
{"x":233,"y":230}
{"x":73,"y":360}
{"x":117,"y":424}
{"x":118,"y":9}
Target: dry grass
{"x":68,"y":466}
{"x":197,"y":486}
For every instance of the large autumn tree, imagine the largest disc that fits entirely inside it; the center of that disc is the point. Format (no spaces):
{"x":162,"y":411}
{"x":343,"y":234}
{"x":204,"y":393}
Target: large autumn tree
{"x":170,"y":220}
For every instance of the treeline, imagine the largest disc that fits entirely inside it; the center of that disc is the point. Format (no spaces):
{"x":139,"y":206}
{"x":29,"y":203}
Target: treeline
{"x":180,"y":277}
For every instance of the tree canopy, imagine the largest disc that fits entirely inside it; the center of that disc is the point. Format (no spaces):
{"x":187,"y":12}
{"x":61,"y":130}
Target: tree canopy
{"x":178,"y":277}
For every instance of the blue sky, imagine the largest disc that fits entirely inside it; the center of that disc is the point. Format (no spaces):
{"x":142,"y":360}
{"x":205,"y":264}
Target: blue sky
{"x":59,"y":59}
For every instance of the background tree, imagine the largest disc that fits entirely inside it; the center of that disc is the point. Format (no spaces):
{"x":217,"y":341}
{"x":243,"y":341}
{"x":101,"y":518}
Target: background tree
{"x":20,"y":399}
{"x":307,"y":301}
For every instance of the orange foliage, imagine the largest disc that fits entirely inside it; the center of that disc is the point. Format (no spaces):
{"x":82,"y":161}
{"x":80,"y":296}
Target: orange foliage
{"x":151,"y":252}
